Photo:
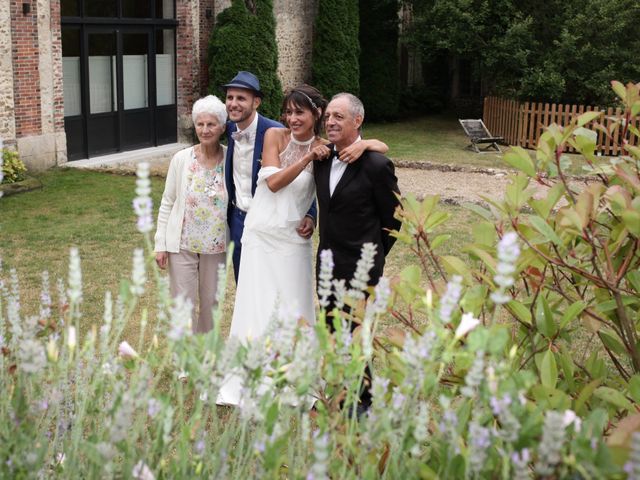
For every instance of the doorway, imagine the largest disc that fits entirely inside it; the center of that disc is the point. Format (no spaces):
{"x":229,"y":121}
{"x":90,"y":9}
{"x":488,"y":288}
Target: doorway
{"x":119,"y":84}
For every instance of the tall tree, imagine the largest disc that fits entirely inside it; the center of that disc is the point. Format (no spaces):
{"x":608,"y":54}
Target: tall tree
{"x":336,"y":49}
{"x":244,"y":38}
{"x":379,"y":77}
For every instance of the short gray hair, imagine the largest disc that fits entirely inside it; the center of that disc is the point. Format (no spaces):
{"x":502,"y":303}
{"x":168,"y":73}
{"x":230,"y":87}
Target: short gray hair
{"x":212,"y":105}
{"x":357,"y":108}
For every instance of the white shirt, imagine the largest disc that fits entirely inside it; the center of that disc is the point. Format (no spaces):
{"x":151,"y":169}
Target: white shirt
{"x":243,"y":165}
{"x":337,"y":169}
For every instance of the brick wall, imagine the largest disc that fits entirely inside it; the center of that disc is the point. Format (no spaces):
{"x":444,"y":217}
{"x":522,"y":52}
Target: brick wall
{"x":26,"y":81}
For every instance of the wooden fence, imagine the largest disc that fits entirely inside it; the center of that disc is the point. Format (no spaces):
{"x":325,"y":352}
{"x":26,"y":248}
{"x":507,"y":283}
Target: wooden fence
{"x":522,"y":123}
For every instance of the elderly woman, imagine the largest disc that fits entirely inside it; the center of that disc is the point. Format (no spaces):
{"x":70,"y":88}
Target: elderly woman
{"x":192,"y":221}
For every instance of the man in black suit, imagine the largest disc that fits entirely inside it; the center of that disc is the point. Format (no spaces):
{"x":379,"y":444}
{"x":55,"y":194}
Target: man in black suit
{"x":356,"y":202}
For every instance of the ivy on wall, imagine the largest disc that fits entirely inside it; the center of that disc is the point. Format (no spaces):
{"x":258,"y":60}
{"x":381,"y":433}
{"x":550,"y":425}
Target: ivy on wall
{"x":336,"y":48}
{"x":379,"y":76}
{"x":244,"y":38}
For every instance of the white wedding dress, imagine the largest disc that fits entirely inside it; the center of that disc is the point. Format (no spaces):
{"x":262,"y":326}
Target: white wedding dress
{"x":276,"y":262}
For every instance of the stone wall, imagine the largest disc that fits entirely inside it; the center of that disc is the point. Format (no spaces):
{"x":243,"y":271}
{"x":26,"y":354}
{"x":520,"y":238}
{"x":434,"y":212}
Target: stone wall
{"x":7,"y":110}
{"x":34,"y":96}
{"x":294,"y":34}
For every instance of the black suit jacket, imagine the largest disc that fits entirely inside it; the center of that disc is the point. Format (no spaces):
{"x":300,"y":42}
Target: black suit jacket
{"x":359,"y":211}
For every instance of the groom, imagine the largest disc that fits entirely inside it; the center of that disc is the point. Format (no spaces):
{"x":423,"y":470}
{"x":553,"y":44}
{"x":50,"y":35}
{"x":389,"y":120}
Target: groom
{"x":245,"y":138}
{"x":357,"y":201}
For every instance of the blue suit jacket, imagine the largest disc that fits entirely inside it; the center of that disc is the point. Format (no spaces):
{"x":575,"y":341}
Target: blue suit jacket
{"x":264,"y":124}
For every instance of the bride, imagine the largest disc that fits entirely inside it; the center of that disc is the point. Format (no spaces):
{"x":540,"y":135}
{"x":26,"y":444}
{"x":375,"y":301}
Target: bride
{"x":276,"y":261}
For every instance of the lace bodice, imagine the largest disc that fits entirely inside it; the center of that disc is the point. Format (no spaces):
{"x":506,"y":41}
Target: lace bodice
{"x":294,"y":151}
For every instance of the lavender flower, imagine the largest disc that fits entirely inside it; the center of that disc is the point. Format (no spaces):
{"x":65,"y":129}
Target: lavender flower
{"x":75,"y":277}
{"x":361,"y":277}
{"x":475,"y":376}
{"x":45,"y":297}
{"x":420,"y":428}
{"x":142,"y":204}
{"x":508,"y":253}
{"x":321,"y":452}
{"x":107,"y":316}
{"x":138,"y":275}
{"x":180,"y":323}
{"x":632,"y":467}
{"x":31,"y":356}
{"x":153,"y":407}
{"x":552,"y":443}
{"x":479,"y":443}
{"x":324,"y":277}
{"x":520,"y":461}
{"x":339,"y":292}
{"x":449,"y":300}
{"x":222,"y":283}
{"x":142,"y":472}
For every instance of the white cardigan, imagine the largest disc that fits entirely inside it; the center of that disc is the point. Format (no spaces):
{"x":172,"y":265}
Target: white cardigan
{"x":171,"y":213}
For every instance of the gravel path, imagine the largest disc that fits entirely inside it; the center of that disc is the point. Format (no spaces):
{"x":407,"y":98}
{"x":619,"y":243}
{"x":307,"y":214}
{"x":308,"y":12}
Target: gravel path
{"x":458,"y":185}
{"x":455,"y":184}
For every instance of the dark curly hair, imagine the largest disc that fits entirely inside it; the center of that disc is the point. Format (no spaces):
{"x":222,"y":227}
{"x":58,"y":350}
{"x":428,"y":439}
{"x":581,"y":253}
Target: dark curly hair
{"x":309,"y":98}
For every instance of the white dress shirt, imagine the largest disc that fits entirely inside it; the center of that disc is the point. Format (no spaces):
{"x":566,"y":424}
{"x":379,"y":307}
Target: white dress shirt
{"x":243,"y":164}
{"x":337,"y":169}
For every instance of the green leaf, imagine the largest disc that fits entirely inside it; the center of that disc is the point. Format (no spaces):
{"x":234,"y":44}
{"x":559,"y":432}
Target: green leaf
{"x":483,"y":255}
{"x":483,"y":212}
{"x":544,"y":318}
{"x":584,"y":396}
{"x":631,"y":219}
{"x":619,"y":89}
{"x":484,"y":233}
{"x":634,"y":387}
{"x":587,"y":117}
{"x":544,"y":206}
{"x":439,"y":240}
{"x":549,"y":370}
{"x":613,"y":397}
{"x":572,"y":312}
{"x":566,"y":364}
{"x":543,"y":227}
{"x":612,"y":341}
{"x":519,"y":158}
{"x":454,"y":265}
{"x":519,"y":311}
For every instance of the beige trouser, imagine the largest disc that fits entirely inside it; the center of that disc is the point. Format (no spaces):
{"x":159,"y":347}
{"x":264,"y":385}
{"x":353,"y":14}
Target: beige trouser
{"x":196,"y":275}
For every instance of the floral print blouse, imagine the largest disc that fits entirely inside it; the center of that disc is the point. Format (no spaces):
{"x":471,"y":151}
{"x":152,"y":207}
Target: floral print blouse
{"x":204,"y":229}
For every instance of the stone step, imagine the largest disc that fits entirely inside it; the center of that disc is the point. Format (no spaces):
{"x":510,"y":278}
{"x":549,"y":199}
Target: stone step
{"x":125,"y":162}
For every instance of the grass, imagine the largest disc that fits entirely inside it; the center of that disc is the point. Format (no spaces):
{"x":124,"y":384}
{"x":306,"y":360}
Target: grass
{"x":437,"y":138}
{"x":93,"y":211}
{"x":440,"y":139}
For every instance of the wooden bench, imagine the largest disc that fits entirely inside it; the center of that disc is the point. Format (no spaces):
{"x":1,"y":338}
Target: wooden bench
{"x":479,"y":135}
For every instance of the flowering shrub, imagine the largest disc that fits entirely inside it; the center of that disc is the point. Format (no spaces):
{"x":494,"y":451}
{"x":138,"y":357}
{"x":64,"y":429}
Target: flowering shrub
{"x":11,"y":167}
{"x":459,"y":391}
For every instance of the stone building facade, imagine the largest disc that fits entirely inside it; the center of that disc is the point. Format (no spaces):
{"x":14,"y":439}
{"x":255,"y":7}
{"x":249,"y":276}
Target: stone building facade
{"x":71,"y":70}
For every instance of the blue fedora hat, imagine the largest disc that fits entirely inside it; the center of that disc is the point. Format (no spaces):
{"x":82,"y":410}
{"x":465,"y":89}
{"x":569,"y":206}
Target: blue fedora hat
{"x":245,"y":80}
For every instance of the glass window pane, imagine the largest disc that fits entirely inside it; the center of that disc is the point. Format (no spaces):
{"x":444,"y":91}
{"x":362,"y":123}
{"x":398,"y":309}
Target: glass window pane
{"x":102,"y":72}
{"x":165,"y":70}
{"x":136,"y":8}
{"x":71,"y":71}
{"x":134,"y":69}
{"x":69,"y":8}
{"x":100,"y":8}
{"x":165,"y":8}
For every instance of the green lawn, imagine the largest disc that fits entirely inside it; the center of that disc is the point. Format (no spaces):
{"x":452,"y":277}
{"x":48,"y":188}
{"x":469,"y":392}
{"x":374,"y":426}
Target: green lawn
{"x":437,"y":138}
{"x":440,"y":139}
{"x":93,"y":211}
